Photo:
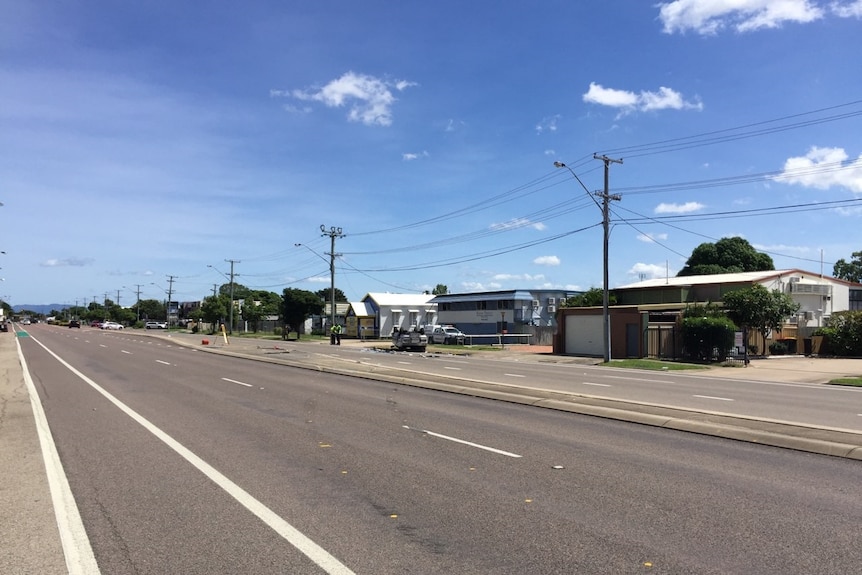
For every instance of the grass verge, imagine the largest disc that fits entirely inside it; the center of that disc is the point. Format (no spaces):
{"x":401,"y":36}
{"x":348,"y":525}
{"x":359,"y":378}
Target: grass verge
{"x":852,"y":381}
{"x":652,"y":364}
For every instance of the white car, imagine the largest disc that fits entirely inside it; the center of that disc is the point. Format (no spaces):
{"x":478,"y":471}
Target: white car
{"x":111,"y":325}
{"x":156,"y":325}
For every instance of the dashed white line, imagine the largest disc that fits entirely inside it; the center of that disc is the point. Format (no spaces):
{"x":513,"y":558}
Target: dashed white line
{"x":237,"y":382}
{"x":404,"y":362}
{"x":462,"y":441}
{"x":596,"y":384}
{"x":163,"y":362}
{"x":124,"y":351}
{"x":713,"y":397}
{"x":514,"y":375}
{"x":452,"y":368}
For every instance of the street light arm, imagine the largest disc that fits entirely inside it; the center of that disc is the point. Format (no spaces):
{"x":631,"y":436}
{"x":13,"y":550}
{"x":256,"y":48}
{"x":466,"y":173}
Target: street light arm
{"x":571,"y":171}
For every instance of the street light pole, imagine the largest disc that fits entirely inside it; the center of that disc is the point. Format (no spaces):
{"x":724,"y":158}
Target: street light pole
{"x":606,"y":198}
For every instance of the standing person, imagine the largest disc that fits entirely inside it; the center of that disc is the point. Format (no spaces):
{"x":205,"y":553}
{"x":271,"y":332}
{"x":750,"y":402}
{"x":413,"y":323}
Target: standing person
{"x":335,"y":335}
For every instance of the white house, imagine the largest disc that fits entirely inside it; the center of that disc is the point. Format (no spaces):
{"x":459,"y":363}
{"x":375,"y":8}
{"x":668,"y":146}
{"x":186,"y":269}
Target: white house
{"x":377,"y":315}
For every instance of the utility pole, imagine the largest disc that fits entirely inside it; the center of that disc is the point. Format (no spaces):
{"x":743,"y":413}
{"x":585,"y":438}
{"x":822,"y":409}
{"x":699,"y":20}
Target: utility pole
{"x":230,"y":312}
{"x":333,"y":233}
{"x":118,"y":298}
{"x":606,"y":198}
{"x":168,"y":307}
{"x":138,"y":300}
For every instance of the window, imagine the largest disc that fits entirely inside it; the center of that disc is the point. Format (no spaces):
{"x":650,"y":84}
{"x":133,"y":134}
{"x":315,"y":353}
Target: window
{"x":481,"y":305}
{"x":503,"y":304}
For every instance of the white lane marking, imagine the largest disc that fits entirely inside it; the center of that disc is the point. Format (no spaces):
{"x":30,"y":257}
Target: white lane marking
{"x":404,"y":363}
{"x":713,"y":397}
{"x":73,"y":537}
{"x":287,"y":531}
{"x":124,"y":351}
{"x":514,"y":375}
{"x":162,"y":362}
{"x":102,"y":345}
{"x":595,"y":384}
{"x":462,"y":441}
{"x":237,"y":382}
{"x":452,"y":368}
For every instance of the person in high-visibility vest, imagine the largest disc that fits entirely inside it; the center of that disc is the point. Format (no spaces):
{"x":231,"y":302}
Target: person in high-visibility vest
{"x":335,"y":331}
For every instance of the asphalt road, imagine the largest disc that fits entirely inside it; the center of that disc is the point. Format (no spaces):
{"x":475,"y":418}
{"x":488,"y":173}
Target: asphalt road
{"x":188,"y":462}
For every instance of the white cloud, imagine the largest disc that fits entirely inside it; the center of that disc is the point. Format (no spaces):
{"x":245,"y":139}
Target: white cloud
{"x":651,"y":238}
{"x":843,"y":10}
{"x":547,"y":261}
{"x":649,"y":271}
{"x":516,"y":223}
{"x":68,"y":262}
{"x":627,"y":102}
{"x":409,"y":156}
{"x":519,"y":277}
{"x":480,"y":286}
{"x":708,"y":17}
{"x":782,"y":249}
{"x":369,"y":99}
{"x":822,"y":169}
{"x":685,"y":208}
{"x":547,"y":124}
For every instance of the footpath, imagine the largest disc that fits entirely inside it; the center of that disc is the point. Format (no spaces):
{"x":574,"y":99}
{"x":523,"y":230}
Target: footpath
{"x":29,"y":541}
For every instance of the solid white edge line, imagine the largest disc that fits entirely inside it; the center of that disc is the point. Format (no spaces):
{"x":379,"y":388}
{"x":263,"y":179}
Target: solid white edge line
{"x":306,"y":546}
{"x":73,"y":537}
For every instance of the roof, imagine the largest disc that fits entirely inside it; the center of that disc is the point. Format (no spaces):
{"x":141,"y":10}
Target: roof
{"x":489,"y":295}
{"x":362,"y":308}
{"x":402,"y":299}
{"x":743,"y":277}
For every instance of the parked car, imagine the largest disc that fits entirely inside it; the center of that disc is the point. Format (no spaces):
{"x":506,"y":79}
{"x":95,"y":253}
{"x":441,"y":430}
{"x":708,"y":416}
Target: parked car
{"x":96,"y":323}
{"x":156,"y":325}
{"x":75,"y":323}
{"x":3,"y":326}
{"x":445,"y":334}
{"x":111,"y":325}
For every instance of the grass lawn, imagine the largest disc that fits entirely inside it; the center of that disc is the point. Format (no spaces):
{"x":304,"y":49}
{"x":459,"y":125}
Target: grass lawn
{"x":853,"y":381}
{"x":653,"y":364}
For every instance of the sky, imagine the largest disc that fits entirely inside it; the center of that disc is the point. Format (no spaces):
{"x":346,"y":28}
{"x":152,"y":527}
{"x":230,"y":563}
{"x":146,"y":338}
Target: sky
{"x":147,"y":148}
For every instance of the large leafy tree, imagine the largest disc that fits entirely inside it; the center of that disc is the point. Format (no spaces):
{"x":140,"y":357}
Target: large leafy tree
{"x":850,"y":271}
{"x":297,"y":305}
{"x":727,"y":255}
{"x":324,"y":294}
{"x":440,"y":289}
{"x":759,"y":309}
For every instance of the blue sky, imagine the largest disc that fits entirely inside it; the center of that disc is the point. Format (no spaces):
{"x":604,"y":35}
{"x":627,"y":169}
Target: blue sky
{"x":147,"y":141}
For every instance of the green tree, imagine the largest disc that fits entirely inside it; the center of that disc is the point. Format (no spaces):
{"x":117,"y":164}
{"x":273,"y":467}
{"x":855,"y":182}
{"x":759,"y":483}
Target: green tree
{"x":727,"y":255}
{"x":325,"y":294}
{"x":849,"y":271}
{"x":440,"y":289}
{"x":759,"y":309}
{"x":298,"y":305}
{"x":590,"y":298}
{"x":214,"y":309}
{"x":150,"y":309}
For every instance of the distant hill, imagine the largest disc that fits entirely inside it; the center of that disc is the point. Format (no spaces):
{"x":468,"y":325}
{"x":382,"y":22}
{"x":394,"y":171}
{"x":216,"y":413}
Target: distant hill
{"x":39,"y":308}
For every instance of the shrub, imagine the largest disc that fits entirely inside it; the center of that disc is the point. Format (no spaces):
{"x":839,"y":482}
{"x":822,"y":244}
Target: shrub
{"x":843,"y":333}
{"x":707,"y":338}
{"x":778,"y":348}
